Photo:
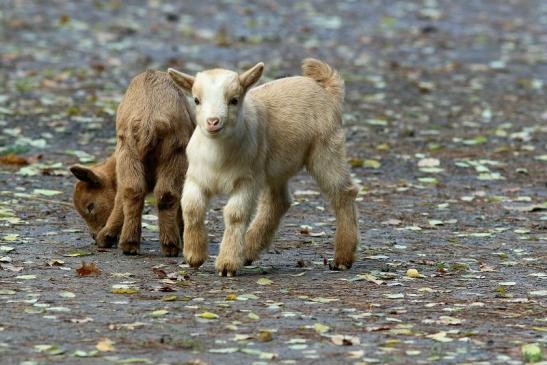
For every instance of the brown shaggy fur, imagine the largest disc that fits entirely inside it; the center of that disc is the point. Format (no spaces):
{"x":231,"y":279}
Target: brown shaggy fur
{"x":153,"y":127}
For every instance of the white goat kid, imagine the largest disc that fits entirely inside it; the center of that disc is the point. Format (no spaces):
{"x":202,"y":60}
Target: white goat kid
{"x":248,"y":143}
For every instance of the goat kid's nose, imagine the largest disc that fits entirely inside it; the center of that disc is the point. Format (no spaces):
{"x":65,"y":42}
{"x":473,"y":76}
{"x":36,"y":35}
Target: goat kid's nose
{"x":213,"y":122}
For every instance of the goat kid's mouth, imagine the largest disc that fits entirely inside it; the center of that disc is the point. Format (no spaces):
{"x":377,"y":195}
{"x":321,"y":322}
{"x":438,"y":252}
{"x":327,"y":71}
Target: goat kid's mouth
{"x":214,"y":130}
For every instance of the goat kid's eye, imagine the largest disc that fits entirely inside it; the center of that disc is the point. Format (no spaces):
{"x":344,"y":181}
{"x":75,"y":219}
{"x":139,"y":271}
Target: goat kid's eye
{"x":196,"y":100}
{"x":233,"y":101}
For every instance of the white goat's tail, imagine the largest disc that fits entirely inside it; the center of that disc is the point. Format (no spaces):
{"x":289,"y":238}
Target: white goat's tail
{"x":325,"y":76}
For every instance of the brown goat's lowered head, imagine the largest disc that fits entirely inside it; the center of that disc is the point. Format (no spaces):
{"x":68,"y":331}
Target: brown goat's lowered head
{"x":95,"y":192}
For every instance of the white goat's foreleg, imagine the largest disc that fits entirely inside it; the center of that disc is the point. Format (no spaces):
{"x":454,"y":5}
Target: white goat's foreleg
{"x":194,"y":207}
{"x":237,"y":215}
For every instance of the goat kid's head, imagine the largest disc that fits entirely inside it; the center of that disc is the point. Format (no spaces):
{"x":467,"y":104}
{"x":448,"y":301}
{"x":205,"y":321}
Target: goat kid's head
{"x":218,"y":95}
{"x":94,"y":196}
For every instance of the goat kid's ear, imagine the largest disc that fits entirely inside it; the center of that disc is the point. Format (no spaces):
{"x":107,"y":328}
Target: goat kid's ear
{"x":252,"y":75}
{"x":85,"y":174}
{"x":183,"y":80}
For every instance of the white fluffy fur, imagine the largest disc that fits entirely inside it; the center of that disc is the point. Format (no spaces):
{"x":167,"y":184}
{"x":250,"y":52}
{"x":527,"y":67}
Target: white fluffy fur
{"x":267,"y":137}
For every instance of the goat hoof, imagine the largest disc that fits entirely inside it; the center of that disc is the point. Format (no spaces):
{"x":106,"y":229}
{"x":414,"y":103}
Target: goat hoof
{"x":130,"y":248}
{"x":194,"y":258}
{"x":226,"y":273}
{"x":338,"y":265}
{"x":195,"y":263}
{"x":227,"y":267}
{"x":106,"y":240}
{"x":170,"y":249}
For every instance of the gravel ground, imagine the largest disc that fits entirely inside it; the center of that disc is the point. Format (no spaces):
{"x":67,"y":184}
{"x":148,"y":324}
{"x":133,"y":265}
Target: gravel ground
{"x":446,"y":120}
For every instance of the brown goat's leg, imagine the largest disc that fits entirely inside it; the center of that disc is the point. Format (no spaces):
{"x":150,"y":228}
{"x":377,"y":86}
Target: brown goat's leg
{"x":167,"y":192}
{"x":328,"y":166}
{"x":132,"y":187}
{"x":108,"y":235}
{"x":194,"y":207}
{"x":272,"y":205}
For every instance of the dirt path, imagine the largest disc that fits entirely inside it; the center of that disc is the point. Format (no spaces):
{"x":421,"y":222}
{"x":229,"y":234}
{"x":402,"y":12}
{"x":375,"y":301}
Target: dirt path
{"x":447,"y":131}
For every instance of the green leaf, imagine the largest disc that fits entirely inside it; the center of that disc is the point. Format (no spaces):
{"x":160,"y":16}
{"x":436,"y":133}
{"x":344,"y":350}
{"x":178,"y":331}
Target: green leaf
{"x":77,"y":253}
{"x":46,"y":192}
{"x":532,"y":352}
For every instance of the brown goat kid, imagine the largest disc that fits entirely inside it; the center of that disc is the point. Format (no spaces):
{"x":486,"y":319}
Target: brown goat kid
{"x":153,"y":127}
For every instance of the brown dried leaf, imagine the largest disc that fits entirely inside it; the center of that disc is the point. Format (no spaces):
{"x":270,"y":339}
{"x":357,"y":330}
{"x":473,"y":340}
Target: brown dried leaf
{"x":88,"y":269}
{"x":13,"y":159}
{"x":161,"y":274}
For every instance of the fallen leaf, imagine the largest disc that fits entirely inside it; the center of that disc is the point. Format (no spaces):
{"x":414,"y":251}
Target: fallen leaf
{"x":447,"y":320}
{"x":77,"y":253}
{"x":169,"y":298}
{"x":253,"y":316}
{"x":13,"y":159}
{"x":532,"y":352}
{"x":226,"y":350}
{"x":207,"y":315}
{"x":264,"y":281}
{"x":67,"y":294}
{"x":265,"y":336}
{"x":429,"y":162}
{"x":413,"y":273}
{"x":26,"y":277}
{"x":160,"y":273}
{"x":50,"y":349}
{"x":105,"y":345}
{"x":81,"y":353}
{"x":231,"y":296}
{"x":345,"y":340}
{"x":124,"y":290}
{"x":440,"y":337}
{"x":261,"y":354}
{"x":90,"y":269}
{"x":321,"y":328}
{"x":46,"y":192}
{"x":158,"y":313}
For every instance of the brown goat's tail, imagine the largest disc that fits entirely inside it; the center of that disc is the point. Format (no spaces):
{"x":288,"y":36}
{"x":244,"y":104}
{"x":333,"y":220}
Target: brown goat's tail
{"x":325,"y":76}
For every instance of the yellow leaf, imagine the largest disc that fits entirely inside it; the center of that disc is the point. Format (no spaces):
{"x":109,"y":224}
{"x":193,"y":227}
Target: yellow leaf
{"x":105,"y":345}
{"x":207,"y":315}
{"x":265,"y":336}
{"x":10,"y":237}
{"x":413,"y":273}
{"x":264,"y":281}
{"x":231,"y":296}
{"x":169,"y":298}
{"x":124,"y":291}
{"x":372,"y":164}
{"x":320,"y":328}
{"x":158,"y":313}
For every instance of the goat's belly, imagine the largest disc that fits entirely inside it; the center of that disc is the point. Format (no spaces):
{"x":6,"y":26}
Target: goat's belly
{"x":217,"y":181}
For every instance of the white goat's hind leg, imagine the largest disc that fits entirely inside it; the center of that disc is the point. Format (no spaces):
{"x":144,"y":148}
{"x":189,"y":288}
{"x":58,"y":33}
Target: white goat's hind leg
{"x":194,"y":207}
{"x":237,"y":214}
{"x":272,"y":205}
{"x":327,"y":164}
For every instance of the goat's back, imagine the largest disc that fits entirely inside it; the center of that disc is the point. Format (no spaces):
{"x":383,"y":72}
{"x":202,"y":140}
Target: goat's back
{"x":153,"y":115}
{"x":295,"y":114}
